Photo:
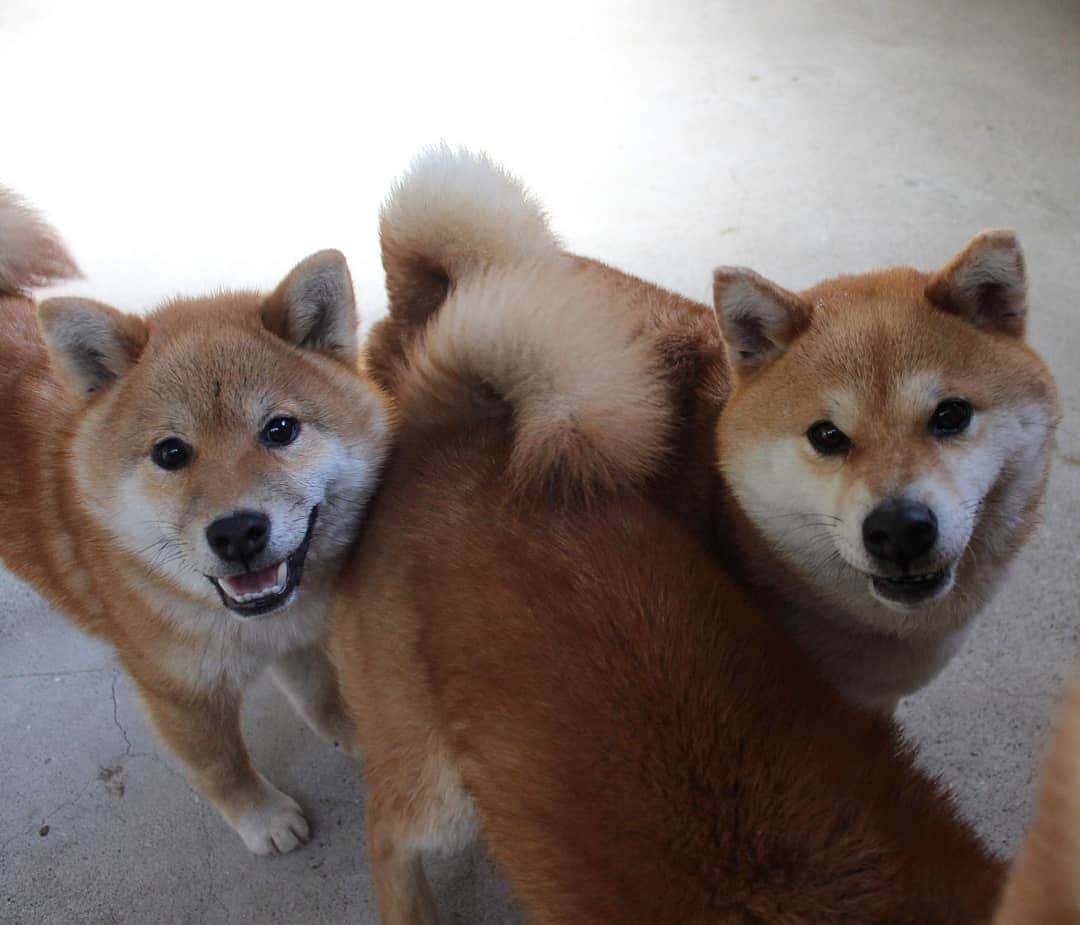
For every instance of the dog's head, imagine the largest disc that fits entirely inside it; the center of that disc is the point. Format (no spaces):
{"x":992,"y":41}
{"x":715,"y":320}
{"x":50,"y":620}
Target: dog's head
{"x":889,"y":433}
{"x":225,"y":442}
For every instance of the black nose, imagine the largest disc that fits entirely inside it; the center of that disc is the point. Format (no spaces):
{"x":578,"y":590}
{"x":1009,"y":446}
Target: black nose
{"x":899,"y":530}
{"x":239,"y":537}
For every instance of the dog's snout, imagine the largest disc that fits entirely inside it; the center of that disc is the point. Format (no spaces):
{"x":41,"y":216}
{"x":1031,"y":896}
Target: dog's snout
{"x":900,"y":530}
{"x":239,"y":537}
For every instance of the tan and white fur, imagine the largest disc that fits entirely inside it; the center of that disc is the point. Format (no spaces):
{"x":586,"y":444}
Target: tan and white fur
{"x":881,"y":357}
{"x":876,"y":354}
{"x":169,"y":479}
{"x":534,"y":640}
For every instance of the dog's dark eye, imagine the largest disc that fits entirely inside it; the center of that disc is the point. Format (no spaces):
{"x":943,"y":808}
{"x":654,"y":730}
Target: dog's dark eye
{"x":952,"y":416}
{"x":280,"y":431}
{"x":171,"y":453}
{"x":828,"y":439}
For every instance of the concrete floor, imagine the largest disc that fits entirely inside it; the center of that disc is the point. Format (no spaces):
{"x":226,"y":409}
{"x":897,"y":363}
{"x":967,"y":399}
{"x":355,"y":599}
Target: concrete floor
{"x":213,"y":144}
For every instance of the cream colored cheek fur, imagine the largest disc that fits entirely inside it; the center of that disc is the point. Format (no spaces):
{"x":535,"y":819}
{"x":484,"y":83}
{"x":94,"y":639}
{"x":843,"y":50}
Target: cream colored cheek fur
{"x":177,"y":552}
{"x":153,"y":532}
{"x":791,"y":501}
{"x":343,"y":484}
{"x":802,"y":508}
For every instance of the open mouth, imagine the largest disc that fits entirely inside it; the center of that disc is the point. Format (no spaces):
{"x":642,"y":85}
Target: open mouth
{"x":913,"y":589}
{"x":259,"y":592}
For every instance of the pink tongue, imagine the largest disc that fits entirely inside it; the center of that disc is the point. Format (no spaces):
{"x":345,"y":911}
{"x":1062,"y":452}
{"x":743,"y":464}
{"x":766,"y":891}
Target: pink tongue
{"x":253,"y":582}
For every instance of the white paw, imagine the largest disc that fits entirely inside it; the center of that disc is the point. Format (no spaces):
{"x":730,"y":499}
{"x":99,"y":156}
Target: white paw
{"x":276,"y":826}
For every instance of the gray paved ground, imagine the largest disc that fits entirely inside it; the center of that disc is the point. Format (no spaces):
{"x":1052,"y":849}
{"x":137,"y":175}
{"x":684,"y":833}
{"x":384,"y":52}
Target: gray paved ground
{"x":802,"y":138}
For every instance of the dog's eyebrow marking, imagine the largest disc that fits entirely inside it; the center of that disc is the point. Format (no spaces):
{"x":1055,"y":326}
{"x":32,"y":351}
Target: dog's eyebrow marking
{"x":843,"y":408}
{"x":917,"y":392}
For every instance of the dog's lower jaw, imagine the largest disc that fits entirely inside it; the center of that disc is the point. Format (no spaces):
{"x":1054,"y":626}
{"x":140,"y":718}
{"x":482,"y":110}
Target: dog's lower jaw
{"x":874,"y":668}
{"x":872,"y":651}
{"x":867,"y":659}
{"x":876,"y":652}
{"x":913,"y":595}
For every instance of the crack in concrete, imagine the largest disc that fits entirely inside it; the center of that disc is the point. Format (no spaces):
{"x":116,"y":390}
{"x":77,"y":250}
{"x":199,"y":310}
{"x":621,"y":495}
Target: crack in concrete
{"x":129,"y":748}
{"x":116,"y":716}
{"x":130,"y":752}
{"x":66,"y":804}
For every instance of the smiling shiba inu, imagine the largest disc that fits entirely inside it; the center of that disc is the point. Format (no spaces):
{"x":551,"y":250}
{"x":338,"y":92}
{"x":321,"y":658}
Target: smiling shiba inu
{"x":185,"y":485}
{"x":882,"y":441}
{"x":888,"y":444}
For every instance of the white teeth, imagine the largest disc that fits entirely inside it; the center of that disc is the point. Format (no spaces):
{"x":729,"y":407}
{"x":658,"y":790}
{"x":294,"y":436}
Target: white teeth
{"x":282,"y":580}
{"x":255,"y":595}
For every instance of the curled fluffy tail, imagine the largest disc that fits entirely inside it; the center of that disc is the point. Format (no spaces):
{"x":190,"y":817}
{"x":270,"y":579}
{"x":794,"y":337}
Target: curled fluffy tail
{"x":1044,"y":884}
{"x":496,"y":310}
{"x":31,"y":252}
{"x":454,"y":213}
{"x":590,"y":405}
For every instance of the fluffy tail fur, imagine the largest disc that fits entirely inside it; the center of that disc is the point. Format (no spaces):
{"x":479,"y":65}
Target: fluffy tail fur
{"x":31,"y":252}
{"x":517,"y":317}
{"x":452,"y":214}
{"x":1044,"y":885}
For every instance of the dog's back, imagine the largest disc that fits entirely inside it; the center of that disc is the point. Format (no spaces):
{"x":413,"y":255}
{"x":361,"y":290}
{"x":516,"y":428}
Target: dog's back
{"x":524,"y":628}
{"x":639,"y":744}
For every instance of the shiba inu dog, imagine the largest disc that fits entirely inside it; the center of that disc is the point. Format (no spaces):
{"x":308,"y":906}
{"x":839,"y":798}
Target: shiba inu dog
{"x":531,"y":643}
{"x":185,"y":485}
{"x":888,"y":444}
{"x":873,"y":451}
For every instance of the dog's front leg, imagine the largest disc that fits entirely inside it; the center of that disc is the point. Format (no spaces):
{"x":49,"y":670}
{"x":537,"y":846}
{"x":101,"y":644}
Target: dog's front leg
{"x":309,"y":681}
{"x":204,"y":732}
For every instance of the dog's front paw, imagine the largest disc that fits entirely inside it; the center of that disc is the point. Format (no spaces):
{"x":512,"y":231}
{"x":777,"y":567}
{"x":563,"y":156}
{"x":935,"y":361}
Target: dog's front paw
{"x":276,"y":826}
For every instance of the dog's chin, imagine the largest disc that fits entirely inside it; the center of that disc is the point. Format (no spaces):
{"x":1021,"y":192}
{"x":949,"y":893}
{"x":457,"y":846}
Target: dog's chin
{"x":913,"y":592}
{"x":261,"y":592}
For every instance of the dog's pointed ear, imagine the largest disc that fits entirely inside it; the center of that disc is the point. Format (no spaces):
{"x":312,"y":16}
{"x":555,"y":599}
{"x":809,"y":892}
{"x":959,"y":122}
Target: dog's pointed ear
{"x":90,"y":345}
{"x":985,"y":284}
{"x":314,"y":307}
{"x":758,"y":318}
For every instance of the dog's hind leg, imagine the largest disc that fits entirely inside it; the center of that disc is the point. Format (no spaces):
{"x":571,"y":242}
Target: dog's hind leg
{"x":399,"y":810}
{"x":204,"y":732}
{"x":308,"y":680}
{"x":401,"y":887}
{"x":416,"y":803}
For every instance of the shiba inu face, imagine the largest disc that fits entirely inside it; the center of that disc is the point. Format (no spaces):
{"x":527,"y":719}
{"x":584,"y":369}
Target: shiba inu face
{"x":226,"y":443}
{"x":890,"y":433}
